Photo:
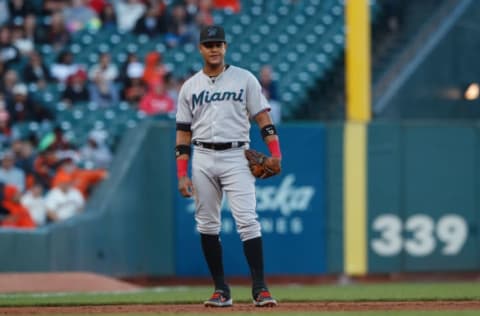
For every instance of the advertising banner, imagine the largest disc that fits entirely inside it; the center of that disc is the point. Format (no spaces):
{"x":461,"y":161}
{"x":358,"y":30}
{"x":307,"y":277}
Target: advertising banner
{"x":291,"y":209}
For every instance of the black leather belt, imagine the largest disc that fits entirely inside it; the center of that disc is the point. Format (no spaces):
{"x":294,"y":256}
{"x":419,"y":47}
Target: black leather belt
{"x":219,"y":146}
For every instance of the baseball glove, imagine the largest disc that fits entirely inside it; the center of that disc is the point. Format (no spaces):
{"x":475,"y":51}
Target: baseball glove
{"x":261,"y":165}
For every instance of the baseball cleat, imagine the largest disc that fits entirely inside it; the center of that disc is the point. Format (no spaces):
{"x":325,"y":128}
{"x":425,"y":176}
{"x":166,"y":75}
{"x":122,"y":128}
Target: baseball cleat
{"x":264,"y":299}
{"x":219,"y":299}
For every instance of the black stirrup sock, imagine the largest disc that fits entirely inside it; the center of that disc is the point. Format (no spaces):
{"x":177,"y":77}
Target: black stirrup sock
{"x":212,"y":251}
{"x":253,"y":250}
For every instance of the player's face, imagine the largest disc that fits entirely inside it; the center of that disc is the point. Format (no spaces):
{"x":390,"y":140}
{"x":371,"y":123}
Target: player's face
{"x":213,"y":53}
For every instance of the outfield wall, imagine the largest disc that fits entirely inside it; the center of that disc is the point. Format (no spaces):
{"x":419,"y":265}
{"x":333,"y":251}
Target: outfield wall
{"x":423,"y":209}
{"x":423,"y":197}
{"x":127,"y":227}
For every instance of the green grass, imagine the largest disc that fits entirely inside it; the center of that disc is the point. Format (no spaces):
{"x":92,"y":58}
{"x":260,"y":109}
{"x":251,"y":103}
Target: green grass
{"x":389,"y":313}
{"x":196,"y":294}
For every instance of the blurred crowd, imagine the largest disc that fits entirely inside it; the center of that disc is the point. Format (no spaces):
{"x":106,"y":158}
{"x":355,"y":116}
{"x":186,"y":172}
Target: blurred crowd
{"x":45,"y":178}
{"x":45,"y":182}
{"x":27,"y":25}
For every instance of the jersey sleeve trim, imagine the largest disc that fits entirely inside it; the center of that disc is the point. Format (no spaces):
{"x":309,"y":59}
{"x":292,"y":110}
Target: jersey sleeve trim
{"x":261,"y":111}
{"x":183,"y":127}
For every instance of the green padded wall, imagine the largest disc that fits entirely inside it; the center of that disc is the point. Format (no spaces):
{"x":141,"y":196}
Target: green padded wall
{"x":422,"y":197}
{"x":334,"y":197}
{"x":127,"y":228}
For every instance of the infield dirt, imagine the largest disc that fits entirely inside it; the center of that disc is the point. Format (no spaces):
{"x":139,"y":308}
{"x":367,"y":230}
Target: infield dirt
{"x":245,"y":308}
{"x":88,"y":282}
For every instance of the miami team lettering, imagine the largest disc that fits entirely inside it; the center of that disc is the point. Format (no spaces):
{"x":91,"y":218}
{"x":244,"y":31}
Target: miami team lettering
{"x":205,"y":97}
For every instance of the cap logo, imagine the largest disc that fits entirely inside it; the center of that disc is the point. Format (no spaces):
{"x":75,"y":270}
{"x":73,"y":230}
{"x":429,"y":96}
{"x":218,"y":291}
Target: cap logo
{"x":212,"y":32}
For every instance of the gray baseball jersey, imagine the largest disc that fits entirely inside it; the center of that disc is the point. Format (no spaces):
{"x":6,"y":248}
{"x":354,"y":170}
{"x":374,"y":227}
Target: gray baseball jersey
{"x":219,"y":108}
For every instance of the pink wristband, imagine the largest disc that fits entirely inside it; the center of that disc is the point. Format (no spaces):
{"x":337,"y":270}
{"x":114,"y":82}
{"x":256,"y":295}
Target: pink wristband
{"x":182,"y":167}
{"x":274,"y":148}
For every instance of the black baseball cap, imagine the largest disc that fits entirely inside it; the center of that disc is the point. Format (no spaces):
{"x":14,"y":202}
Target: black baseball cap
{"x":212,"y":33}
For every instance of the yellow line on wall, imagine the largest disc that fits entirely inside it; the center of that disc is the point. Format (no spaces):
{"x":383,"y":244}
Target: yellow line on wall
{"x":355,"y":202}
{"x":355,"y":137}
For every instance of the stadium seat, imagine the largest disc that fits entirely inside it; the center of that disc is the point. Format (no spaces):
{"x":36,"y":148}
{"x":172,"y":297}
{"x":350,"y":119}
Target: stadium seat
{"x":302,"y":40}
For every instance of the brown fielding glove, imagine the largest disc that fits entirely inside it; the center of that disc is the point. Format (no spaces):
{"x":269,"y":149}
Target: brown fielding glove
{"x":261,"y":165}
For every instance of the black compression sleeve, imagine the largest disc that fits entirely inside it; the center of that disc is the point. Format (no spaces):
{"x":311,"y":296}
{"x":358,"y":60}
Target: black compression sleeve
{"x":183,"y":127}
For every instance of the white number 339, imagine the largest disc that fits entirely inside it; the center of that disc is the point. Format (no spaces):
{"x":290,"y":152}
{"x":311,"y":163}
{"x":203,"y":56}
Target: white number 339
{"x":418,"y":236}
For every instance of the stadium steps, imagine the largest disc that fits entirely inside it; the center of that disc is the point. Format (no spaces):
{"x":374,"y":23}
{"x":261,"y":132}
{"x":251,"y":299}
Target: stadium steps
{"x":410,"y":41}
{"x":327,"y":100}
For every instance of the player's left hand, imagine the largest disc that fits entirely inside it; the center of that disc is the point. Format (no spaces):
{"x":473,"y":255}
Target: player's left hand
{"x":185,"y":186}
{"x":274,"y":164}
{"x":261,"y":165}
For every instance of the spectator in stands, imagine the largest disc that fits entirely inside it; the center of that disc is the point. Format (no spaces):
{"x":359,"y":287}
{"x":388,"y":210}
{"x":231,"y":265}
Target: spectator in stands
{"x":131,"y":66}
{"x":32,"y":30}
{"x":154,"y":69}
{"x":179,"y":30}
{"x":105,"y":69}
{"x":19,"y":9}
{"x":25,"y":156}
{"x":79,"y":16}
{"x":98,"y":5}
{"x":20,"y":107}
{"x":172,"y":87}
{"x":269,"y":90}
{"x":202,"y":19}
{"x":15,"y":148}
{"x":36,"y":72}
{"x":103,"y":93}
{"x":191,"y":10}
{"x":45,"y":167}
{"x":51,"y":6}
{"x":8,"y":52}
{"x":9,"y":173}
{"x":95,"y":151}
{"x":84,"y":180}
{"x":23,"y":108}
{"x":34,"y":201}
{"x":154,"y":21}
{"x":230,"y":5}
{"x":269,"y":86}
{"x":12,"y":213}
{"x":134,"y":87}
{"x":10,"y":79}
{"x":59,"y":143}
{"x":24,"y":44}
{"x":64,"y":200}
{"x":31,"y":137}
{"x":5,"y":128}
{"x":77,"y":89}
{"x":64,"y":67}
{"x":108,"y":18}
{"x":56,"y":34}
{"x":157,"y":101}
{"x":205,"y":11}
{"x":128,"y":12}
{"x":134,"y":90}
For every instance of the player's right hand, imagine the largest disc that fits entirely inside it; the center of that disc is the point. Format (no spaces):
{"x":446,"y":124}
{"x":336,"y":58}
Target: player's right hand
{"x":185,"y":187}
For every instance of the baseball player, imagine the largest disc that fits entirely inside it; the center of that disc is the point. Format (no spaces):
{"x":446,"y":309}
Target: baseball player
{"x":214,"y":108}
